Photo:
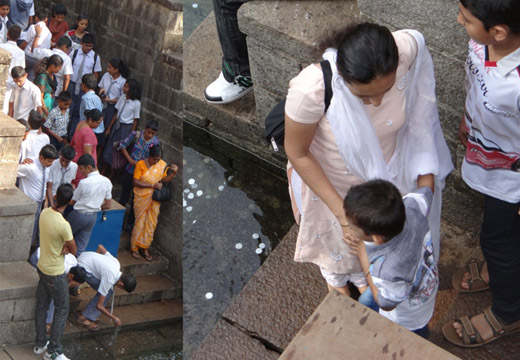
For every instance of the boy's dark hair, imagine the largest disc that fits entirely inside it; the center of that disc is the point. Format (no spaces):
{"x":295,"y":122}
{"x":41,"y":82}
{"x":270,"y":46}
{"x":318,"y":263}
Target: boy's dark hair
{"x":365,"y":51}
{"x":68,"y":152}
{"x":120,"y":65}
{"x":64,"y":40}
{"x":152,"y":124}
{"x":14,"y":32}
{"x":59,"y":9}
{"x":495,"y":12}
{"x":17,"y":72}
{"x":24,"y":123}
{"x":155,"y":151}
{"x":90,"y":81}
{"x":49,"y":152}
{"x":88,"y":38}
{"x":134,"y":93}
{"x":129,"y":282}
{"x":79,"y":274}
{"x":64,"y":96}
{"x":93,"y":114}
{"x":377,"y":208}
{"x":64,"y":194}
{"x":86,"y":160}
{"x":42,"y":14}
{"x":35,"y":120}
{"x":5,"y":3}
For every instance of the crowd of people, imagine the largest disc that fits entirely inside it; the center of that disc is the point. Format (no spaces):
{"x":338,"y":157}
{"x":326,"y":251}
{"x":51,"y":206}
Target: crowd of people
{"x":77,"y":122}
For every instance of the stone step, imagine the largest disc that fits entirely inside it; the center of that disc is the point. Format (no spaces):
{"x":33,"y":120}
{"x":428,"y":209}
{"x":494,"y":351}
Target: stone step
{"x":149,"y":288}
{"x":129,"y":265}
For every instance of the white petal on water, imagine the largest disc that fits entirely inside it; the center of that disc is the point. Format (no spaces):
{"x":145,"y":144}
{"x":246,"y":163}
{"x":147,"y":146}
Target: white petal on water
{"x":194,"y":221}
{"x":191,"y":181}
{"x":191,"y":196}
{"x":194,"y":186}
{"x":199,"y":193}
{"x":255,"y":236}
{"x":221,"y":187}
{"x":206,"y":160}
{"x":230,"y":178}
{"x":238,"y":246}
{"x":189,"y":208}
{"x":186,"y":190}
{"x":261,"y":246}
{"x":184,"y":203}
{"x":209,"y":295}
{"x":208,"y":196}
{"x":258,"y":251}
{"x":195,"y":6}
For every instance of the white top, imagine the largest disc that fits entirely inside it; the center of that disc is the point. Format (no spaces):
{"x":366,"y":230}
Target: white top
{"x":105,"y":268}
{"x":66,"y":69}
{"x":45,"y":38}
{"x":59,"y":175}
{"x":116,"y":90}
{"x":33,"y":143}
{"x":87,"y":67}
{"x":17,"y":55}
{"x":492,"y":161}
{"x":31,"y":180}
{"x":128,"y":110}
{"x":3,"y":32}
{"x":69,"y":262}
{"x":24,"y":99}
{"x":91,"y":192}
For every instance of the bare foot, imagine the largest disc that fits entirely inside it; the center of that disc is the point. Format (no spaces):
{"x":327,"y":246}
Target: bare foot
{"x":480,"y":324}
{"x":484,"y":275}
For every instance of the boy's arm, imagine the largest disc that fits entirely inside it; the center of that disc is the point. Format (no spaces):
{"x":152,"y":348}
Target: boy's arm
{"x":49,"y":194}
{"x":11,"y":109}
{"x":66,"y":82}
{"x":69,"y":247}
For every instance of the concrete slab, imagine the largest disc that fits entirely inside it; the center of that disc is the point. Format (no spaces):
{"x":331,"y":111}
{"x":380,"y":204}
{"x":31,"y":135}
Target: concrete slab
{"x":21,"y":352}
{"x":18,"y":279}
{"x":227,"y":342}
{"x":15,"y":202}
{"x":129,"y":265}
{"x":279,"y":298}
{"x":3,"y":355}
{"x":340,"y":325}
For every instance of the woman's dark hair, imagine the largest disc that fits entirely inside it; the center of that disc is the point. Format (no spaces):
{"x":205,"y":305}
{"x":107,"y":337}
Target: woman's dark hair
{"x":93,"y":114}
{"x":155,"y":151}
{"x":365,"y":51}
{"x":80,"y":17}
{"x":46,"y":62}
{"x":79,"y":274}
{"x":152,"y":125}
{"x":495,"y":12}
{"x":59,"y":9}
{"x":120,"y":65}
{"x":64,"y":194}
{"x":377,"y":208}
{"x":134,"y":93}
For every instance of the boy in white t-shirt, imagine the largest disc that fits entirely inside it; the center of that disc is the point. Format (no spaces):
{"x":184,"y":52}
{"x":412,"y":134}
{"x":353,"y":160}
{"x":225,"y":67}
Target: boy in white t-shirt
{"x":34,"y":38}
{"x":400,"y":265}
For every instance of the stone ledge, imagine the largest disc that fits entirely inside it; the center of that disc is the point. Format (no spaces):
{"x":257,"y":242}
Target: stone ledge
{"x":13,"y":202}
{"x":18,"y":279}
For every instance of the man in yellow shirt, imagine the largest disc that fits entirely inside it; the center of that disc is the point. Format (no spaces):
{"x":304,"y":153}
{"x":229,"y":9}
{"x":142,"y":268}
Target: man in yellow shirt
{"x":55,"y":241}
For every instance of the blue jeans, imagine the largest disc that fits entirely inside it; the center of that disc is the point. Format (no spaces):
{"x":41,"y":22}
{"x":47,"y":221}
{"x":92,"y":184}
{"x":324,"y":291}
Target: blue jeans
{"x":91,"y":312}
{"x":33,"y":260}
{"x":51,"y":288}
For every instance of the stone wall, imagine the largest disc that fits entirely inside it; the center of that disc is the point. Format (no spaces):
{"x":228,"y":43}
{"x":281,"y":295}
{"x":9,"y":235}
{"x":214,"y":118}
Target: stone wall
{"x":147,"y":34}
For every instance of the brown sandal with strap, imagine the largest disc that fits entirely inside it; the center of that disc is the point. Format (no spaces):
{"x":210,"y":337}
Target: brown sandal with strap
{"x":475,"y":283}
{"x":470,"y":336}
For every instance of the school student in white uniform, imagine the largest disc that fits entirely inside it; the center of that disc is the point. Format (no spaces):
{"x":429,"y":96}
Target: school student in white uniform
{"x":17,"y":59}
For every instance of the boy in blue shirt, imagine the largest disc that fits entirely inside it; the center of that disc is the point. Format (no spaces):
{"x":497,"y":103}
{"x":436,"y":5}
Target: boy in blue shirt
{"x":491,"y":134}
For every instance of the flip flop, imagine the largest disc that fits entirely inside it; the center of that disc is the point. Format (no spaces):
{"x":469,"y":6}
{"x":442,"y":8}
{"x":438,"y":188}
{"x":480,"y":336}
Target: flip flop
{"x":147,"y":257}
{"x":470,"y":336}
{"x":86,"y":323}
{"x":135,"y":254}
{"x":476,"y":283}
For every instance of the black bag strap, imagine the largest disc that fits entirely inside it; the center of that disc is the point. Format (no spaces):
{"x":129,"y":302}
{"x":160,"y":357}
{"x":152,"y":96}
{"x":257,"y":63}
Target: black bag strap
{"x":74,"y":55}
{"x":327,"y":77}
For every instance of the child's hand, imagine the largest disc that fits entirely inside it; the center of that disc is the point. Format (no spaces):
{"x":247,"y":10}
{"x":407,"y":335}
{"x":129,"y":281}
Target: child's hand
{"x":356,"y":245}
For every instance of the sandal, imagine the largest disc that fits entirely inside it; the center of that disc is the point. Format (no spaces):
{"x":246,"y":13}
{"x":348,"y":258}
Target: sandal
{"x":470,"y":336}
{"x":475,"y":283}
{"x":86,"y":323}
{"x":147,"y":256}
{"x":135,"y":254}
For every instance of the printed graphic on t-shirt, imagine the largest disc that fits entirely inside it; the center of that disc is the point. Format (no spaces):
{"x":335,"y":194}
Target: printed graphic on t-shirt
{"x":426,"y":280}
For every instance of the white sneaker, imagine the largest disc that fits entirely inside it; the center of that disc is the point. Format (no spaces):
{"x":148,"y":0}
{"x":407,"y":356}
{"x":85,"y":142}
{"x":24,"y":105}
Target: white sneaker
{"x":222,"y":92}
{"x":39,"y":350}
{"x":55,"y":356}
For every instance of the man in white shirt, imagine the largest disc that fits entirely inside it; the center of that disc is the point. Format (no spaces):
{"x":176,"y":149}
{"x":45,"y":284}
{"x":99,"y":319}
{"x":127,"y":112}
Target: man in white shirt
{"x":25,"y":96}
{"x":35,"y":139}
{"x":94,"y":193}
{"x":5,"y":7}
{"x":103,"y":273}
{"x":38,"y":34}
{"x":33,"y":178}
{"x":62,"y":171}
{"x":17,"y":59}
{"x":62,"y":49}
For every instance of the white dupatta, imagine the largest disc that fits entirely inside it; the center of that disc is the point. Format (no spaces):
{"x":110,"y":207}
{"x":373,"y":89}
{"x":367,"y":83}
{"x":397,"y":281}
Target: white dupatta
{"x":420,"y":148}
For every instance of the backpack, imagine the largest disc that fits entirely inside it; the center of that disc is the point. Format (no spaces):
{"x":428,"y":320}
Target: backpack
{"x":96,"y":56}
{"x":275,"y":120}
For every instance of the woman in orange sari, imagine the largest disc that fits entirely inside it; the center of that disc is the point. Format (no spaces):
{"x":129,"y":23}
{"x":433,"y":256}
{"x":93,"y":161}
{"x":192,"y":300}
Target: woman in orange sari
{"x":149,"y":174}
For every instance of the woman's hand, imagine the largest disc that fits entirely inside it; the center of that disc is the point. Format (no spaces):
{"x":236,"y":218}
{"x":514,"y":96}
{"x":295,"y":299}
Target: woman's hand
{"x":132,"y":162}
{"x":157,"y":186}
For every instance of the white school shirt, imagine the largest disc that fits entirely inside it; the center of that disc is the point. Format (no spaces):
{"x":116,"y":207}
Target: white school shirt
{"x":492,"y":161}
{"x":116,"y":90}
{"x":128,"y":110}
{"x":91,"y":192}
{"x":45,"y":38}
{"x":3,"y":32}
{"x":24,"y":99}
{"x":33,"y":143}
{"x":103,"y":267}
{"x":59,"y":175}
{"x":31,"y":177}
{"x":66,"y":69}
{"x":87,"y":67}
{"x":69,"y":260}
{"x":17,"y":55}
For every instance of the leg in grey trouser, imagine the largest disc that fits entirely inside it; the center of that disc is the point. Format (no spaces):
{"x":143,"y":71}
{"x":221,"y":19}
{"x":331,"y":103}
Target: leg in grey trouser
{"x":91,"y":312}
{"x":82,"y":225}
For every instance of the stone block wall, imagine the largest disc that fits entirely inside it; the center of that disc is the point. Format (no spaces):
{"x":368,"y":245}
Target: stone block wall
{"x":147,"y":34}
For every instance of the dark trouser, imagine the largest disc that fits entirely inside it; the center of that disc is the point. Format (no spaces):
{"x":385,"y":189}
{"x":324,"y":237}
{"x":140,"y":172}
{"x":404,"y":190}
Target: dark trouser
{"x":51,"y":288}
{"x":235,"y":60}
{"x":82,"y":225}
{"x":36,"y":228}
{"x":500,"y":242}
{"x":127,"y":185}
{"x":74,"y":108}
{"x":56,"y":144}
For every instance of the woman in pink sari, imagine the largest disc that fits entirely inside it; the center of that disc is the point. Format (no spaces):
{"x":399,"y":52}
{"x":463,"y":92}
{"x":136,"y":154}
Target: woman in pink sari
{"x":84,"y":140}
